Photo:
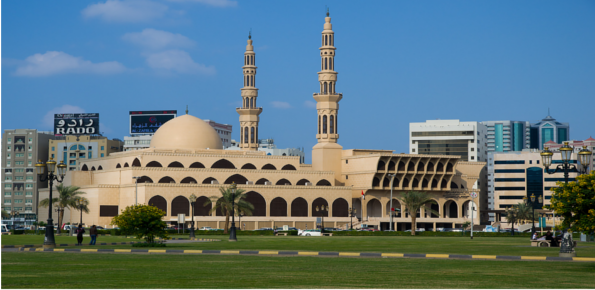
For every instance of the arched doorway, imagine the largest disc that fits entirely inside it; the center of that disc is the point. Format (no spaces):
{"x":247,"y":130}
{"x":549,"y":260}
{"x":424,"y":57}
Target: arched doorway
{"x":374,"y":208}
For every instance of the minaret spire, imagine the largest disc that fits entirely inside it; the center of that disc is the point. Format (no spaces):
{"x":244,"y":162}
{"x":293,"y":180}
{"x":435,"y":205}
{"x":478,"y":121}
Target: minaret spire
{"x":327,"y":154}
{"x":249,"y":112}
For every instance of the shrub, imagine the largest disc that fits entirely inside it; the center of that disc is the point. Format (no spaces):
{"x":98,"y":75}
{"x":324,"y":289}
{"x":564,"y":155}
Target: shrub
{"x":154,"y":244}
{"x":143,"y":221}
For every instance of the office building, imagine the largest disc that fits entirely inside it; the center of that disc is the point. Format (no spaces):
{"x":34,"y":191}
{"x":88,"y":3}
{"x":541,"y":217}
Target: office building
{"x":506,"y":136}
{"x":21,"y":148}
{"x":449,"y":137}
{"x":76,"y":149}
{"x":547,"y":130}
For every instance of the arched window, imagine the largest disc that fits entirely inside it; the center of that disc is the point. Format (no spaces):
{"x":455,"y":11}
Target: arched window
{"x":288,"y":167}
{"x":188,"y":180}
{"x":209,"y":180}
{"x":153,"y":164}
{"x":376,"y":182}
{"x":261,"y":181}
{"x":85,"y":168}
{"x":449,"y":167}
{"x":200,"y":209}
{"x":251,"y":102}
{"x":224,"y":164}
{"x":405,"y":182}
{"x":118,"y":165}
{"x":260,"y":206}
{"x":323,"y":182}
{"x":381,"y":166}
{"x":159,"y":202}
{"x":299,"y":207}
{"x":443,"y":184}
{"x":99,"y":168}
{"x":241,"y":134}
{"x":237,"y":178}
{"x":252,"y":135}
{"x":337,"y":124}
{"x":144,"y":179}
{"x":136,"y":163}
{"x":453,"y":185}
{"x":167,"y":179}
{"x":332,"y":121}
{"x":246,"y":135}
{"x":278,"y":207}
{"x":415,"y":183}
{"x":340,"y":208}
{"x":269,"y":167}
{"x":176,"y":164}
{"x":324,"y":126}
{"x":325,"y":87}
{"x":302,"y":182}
{"x":326,"y":40}
{"x":126,"y":164}
{"x":325,"y":63}
{"x":92,"y":168}
{"x":196,"y":165}
{"x":253,"y":62}
{"x":179,"y":205}
{"x":319,"y":202}
{"x":283,"y":182}
{"x":318,"y":124}
{"x":248,"y":166}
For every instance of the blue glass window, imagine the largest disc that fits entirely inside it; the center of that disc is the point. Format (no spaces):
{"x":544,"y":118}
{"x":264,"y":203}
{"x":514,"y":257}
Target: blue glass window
{"x":510,"y":179}
{"x":535,"y":183}
{"x":509,"y":162}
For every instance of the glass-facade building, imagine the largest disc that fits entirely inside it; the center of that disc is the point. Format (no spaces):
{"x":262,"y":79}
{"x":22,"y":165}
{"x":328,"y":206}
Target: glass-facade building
{"x":547,"y":130}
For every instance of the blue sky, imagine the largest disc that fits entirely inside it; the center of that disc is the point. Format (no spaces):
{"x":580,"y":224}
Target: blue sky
{"x":398,"y":62}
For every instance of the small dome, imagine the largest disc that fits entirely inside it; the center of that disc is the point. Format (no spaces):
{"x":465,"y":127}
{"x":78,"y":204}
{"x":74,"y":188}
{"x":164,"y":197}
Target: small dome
{"x":186,"y":132}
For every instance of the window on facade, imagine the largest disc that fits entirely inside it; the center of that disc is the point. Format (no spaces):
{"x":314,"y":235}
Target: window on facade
{"x":18,"y":163}
{"x":102,"y":148}
{"x":28,"y":201}
{"x":252,"y":135}
{"x":324,"y":125}
{"x":8,"y":178}
{"x":413,"y":150}
{"x":53,"y":148}
{"x":332,"y":120}
{"x":28,"y":185}
{"x":101,"y":154}
{"x":29,"y":193}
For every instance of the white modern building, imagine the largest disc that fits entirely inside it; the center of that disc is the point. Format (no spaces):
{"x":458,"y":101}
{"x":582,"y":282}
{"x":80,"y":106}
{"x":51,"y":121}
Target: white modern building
{"x":449,"y":137}
{"x":508,"y":135}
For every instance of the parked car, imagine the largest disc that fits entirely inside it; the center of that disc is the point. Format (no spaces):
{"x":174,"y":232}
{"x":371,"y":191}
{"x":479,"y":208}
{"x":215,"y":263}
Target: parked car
{"x":308,"y":233}
{"x":99,"y":227}
{"x":331,"y":229}
{"x":205,"y":229}
{"x":264,"y":229}
{"x":289,"y":229}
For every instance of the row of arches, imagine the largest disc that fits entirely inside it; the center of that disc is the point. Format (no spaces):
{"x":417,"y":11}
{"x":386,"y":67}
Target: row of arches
{"x":415,"y":183}
{"x":278,"y":207}
{"x":328,"y":124}
{"x":236,"y":178}
{"x":450,"y":209}
{"x":327,"y":63}
{"x":327,"y":88}
{"x":382,"y":166}
{"x":220,"y":164}
{"x":93,"y":168}
{"x":327,"y":39}
{"x":249,"y":60}
{"x":252,"y":132}
{"x":249,"y":81}
{"x":250,"y":102}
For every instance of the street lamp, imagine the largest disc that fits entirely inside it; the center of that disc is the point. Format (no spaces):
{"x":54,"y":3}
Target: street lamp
{"x":473,"y":196}
{"x":232,"y":234}
{"x":192,"y":202}
{"x":352,"y":212}
{"x":584,"y":156}
{"x":49,"y":241}
{"x":136,"y":189}
{"x":322,"y":209}
{"x":391,"y":200}
{"x":540,"y":199}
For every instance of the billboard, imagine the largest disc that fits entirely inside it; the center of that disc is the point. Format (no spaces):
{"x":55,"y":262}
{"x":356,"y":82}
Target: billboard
{"x":76,"y":124}
{"x":147,"y":122}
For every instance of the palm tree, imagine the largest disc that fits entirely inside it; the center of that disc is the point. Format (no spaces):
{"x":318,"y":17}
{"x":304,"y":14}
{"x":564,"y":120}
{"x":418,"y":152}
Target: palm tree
{"x":414,"y":201}
{"x":524,"y":212}
{"x":82,"y":204}
{"x":67,"y":196}
{"x":224,"y":203}
{"x":511,"y":216}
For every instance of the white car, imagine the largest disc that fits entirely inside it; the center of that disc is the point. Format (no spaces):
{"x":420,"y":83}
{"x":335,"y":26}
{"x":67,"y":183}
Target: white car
{"x":308,"y":233}
{"x":205,"y":229}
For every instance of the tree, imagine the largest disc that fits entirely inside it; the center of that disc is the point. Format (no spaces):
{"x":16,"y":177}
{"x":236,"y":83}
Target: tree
{"x":5,"y":214}
{"x":143,"y":221}
{"x":82,"y":204}
{"x":511,"y":216}
{"x":67,"y":196}
{"x":224,"y":203}
{"x":414,"y":201}
{"x":524,"y":212}
{"x":575,"y":202}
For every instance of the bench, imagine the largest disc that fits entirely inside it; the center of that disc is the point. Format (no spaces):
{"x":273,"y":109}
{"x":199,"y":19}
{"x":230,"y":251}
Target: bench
{"x":545,"y":243}
{"x":281,"y":234}
{"x":327,"y":234}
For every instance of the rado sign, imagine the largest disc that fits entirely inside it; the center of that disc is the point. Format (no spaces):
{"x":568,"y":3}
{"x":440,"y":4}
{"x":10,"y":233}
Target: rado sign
{"x":76,"y":124}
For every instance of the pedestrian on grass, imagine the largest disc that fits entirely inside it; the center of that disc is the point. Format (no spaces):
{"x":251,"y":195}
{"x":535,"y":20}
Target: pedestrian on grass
{"x":79,"y":235}
{"x":93,"y":234}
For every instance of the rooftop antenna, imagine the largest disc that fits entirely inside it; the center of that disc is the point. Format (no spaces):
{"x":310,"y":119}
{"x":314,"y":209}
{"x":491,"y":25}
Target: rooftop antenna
{"x":186,"y":109}
{"x":327,"y":14}
{"x":548,"y":111}
{"x":250,"y":34}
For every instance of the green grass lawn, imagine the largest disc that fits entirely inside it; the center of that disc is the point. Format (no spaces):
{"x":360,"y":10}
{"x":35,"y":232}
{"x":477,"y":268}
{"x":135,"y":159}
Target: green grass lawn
{"x":38,"y":239}
{"x":393,"y":244}
{"x":71,"y":270}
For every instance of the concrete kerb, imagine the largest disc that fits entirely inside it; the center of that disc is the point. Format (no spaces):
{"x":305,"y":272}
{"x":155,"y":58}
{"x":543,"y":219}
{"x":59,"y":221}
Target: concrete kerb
{"x":317,"y":254}
{"x":98,"y":244}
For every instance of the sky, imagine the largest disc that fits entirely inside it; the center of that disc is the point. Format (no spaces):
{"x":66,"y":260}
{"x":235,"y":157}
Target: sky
{"x":398,"y":62}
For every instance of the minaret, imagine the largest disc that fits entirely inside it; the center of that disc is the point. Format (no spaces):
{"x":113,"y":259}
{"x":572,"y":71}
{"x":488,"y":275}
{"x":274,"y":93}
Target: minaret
{"x":249,"y":111}
{"x":326,"y":155}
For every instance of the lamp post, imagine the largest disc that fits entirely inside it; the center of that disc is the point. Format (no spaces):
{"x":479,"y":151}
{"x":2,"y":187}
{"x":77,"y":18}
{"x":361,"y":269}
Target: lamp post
{"x":540,"y":199}
{"x":13,"y":213}
{"x":192,"y":202}
{"x":391,"y":200}
{"x":136,"y":189}
{"x":322,"y":209}
{"x":473,"y":196}
{"x":352,"y":212}
{"x":49,"y":241}
{"x":232,"y":233}
{"x":584,"y":157}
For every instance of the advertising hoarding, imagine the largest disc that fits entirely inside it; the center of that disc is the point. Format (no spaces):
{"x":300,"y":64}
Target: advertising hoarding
{"x":76,"y":124}
{"x":147,"y":122}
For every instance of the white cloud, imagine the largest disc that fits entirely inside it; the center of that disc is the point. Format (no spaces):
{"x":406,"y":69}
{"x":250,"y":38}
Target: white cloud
{"x":177,"y":61}
{"x":125,"y":11}
{"x":48,"y":119}
{"x":216,"y":3}
{"x":310,"y":104}
{"x":280,"y":105}
{"x":157,"y":39}
{"x":57,"y":62}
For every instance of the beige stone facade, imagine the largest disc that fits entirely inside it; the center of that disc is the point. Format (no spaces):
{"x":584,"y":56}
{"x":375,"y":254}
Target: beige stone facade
{"x":282,"y":189}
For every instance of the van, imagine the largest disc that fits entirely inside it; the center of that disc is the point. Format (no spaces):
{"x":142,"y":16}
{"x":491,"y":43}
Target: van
{"x":4,"y":229}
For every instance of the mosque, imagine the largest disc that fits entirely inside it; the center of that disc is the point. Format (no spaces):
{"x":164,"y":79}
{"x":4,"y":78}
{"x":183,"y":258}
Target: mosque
{"x":186,"y":157}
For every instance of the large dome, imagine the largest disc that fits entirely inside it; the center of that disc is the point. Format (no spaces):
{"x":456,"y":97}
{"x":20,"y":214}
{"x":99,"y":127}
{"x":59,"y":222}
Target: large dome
{"x":186,"y":132}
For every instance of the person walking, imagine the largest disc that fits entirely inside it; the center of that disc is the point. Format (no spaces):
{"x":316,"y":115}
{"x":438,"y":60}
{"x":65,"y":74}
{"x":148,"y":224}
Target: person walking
{"x":93,"y":234}
{"x":79,"y":235}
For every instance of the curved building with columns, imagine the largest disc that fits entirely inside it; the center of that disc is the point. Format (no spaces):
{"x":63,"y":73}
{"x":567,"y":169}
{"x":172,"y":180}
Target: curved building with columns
{"x":186,"y":157}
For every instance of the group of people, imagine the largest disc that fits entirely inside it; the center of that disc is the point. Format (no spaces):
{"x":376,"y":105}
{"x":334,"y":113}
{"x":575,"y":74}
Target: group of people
{"x":548,"y":236}
{"x":79,"y":235}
